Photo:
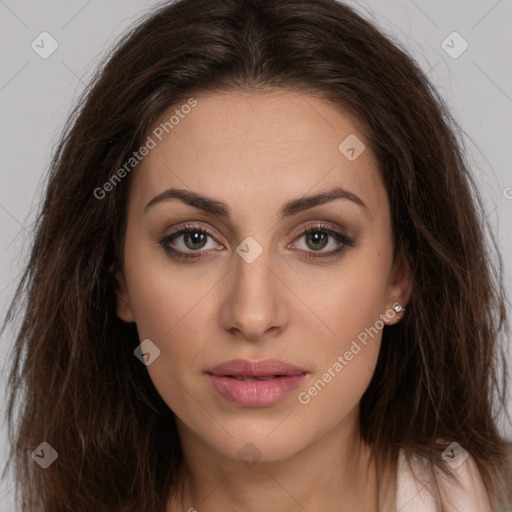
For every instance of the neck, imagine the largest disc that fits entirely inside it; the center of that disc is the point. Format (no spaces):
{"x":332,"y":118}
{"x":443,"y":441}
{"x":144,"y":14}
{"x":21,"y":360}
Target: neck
{"x":336,"y":472}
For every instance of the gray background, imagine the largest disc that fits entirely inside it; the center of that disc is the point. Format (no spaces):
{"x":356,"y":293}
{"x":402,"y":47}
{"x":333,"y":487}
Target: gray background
{"x":36,"y":95}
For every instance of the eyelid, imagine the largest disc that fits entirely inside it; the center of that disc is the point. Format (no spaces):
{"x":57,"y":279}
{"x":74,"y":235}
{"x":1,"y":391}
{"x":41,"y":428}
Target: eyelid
{"x":320,"y":225}
{"x":180,"y":229}
{"x":299,"y":232}
{"x":184,"y":227}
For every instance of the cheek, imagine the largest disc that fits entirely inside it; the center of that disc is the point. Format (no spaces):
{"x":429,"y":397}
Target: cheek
{"x":347,"y":300}
{"x":350,"y":307}
{"x":161,"y":292}
{"x":168,"y":305}
{"x":169,"y":311}
{"x":345,"y":358}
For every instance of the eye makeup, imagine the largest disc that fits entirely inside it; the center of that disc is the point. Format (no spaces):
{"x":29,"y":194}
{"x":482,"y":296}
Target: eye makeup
{"x":326,"y":232}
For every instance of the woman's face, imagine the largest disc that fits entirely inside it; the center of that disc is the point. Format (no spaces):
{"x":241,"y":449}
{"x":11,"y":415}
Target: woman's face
{"x":250,"y":167}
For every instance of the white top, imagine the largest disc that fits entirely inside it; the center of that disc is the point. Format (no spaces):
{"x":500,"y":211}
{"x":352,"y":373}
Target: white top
{"x":413,"y":496}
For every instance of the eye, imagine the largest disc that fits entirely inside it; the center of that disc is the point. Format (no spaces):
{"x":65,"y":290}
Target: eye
{"x":181,"y":244}
{"x":317,"y":238}
{"x":190,"y":238}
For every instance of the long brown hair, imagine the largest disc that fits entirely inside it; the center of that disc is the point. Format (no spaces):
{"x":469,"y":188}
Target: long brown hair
{"x":75,"y":382}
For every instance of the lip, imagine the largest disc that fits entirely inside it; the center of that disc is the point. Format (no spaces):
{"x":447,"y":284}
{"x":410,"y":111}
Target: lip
{"x":255,"y":383}
{"x":262,"y":368}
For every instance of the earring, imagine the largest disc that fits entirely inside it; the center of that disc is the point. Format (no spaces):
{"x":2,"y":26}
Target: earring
{"x":398,"y":308}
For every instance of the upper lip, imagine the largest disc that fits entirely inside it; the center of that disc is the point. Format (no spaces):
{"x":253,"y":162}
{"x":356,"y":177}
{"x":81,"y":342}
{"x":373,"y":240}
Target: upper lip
{"x":263,"y":368}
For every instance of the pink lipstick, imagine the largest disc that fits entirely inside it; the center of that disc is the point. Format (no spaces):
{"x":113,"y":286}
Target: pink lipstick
{"x":255,"y":383}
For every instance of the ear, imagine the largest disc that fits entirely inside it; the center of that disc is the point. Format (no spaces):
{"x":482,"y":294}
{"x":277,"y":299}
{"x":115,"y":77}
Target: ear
{"x":400,"y":286}
{"x":124,"y":309}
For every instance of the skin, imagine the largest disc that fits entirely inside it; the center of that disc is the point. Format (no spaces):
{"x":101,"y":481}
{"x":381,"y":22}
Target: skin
{"x":256,"y":151}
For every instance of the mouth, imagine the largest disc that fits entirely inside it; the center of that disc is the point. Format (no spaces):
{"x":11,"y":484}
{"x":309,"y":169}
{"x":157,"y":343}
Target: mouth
{"x":264,"y":369}
{"x":255,"y":384}
{"x":251,"y":378}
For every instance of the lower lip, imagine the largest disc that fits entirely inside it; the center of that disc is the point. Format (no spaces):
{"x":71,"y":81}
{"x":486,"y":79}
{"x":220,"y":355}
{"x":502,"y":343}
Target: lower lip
{"x":255,"y":393}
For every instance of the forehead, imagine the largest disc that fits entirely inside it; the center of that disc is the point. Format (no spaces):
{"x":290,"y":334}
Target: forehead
{"x":272,"y":145}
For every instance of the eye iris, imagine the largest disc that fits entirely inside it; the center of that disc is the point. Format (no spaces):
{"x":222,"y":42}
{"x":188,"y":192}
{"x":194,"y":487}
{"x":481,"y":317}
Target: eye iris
{"x":197,"y":237}
{"x":317,"y":237}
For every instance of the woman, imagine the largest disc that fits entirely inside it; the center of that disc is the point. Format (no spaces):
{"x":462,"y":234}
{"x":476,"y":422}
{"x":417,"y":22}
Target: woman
{"x":259,"y":281}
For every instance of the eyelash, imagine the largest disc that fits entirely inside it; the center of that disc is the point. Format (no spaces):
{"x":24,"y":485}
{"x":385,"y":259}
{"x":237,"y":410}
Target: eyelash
{"x":319,"y":228}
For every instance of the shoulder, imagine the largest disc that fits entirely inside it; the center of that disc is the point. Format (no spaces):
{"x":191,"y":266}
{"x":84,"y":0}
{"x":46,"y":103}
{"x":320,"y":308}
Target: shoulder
{"x":417,"y":496}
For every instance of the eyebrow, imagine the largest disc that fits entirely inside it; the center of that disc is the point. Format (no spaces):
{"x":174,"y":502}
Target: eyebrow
{"x":292,"y":207}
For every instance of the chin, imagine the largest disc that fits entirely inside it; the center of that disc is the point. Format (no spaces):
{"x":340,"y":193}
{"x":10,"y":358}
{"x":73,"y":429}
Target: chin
{"x":261,"y":447}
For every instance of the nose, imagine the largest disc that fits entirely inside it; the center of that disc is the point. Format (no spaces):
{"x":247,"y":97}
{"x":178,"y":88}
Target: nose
{"x":255,"y":305}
